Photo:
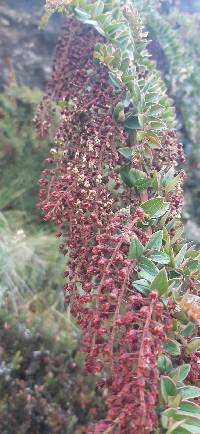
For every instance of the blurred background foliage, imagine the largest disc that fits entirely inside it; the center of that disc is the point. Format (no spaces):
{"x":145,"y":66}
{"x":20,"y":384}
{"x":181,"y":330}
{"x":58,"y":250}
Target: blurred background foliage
{"x":43,"y":388}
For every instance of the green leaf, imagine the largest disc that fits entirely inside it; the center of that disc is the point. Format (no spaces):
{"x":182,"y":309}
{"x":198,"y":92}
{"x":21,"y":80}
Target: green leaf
{"x":142,"y":286}
{"x":156,"y":109}
{"x":125,"y":172}
{"x":191,"y":267}
{"x":115,"y":81}
{"x":164,"y":363}
{"x":164,"y":208}
{"x":118,"y":112}
{"x":134,"y":178}
{"x":172,"y":184}
{"x":148,"y":270}
{"x":190,"y":392}
{"x":154,"y":207}
{"x":132,"y":122}
{"x":168,"y":388}
{"x":135,"y":91}
{"x":158,"y":125}
{"x":178,"y":235}
{"x":138,"y":179}
{"x":193,"y":418}
{"x":166,"y":239}
{"x":181,"y":372}
{"x":168,"y":176}
{"x":160,"y":283}
{"x":189,"y":429}
{"x":160,"y":257}
{"x":81,"y":14}
{"x":152,"y":97}
{"x":172,"y":347}
{"x":181,"y":255}
{"x":188,"y":329}
{"x":155,"y":242}
{"x":193,"y":345}
{"x":174,"y":429}
{"x":186,"y":429}
{"x":136,"y":248}
{"x":190,"y":407}
{"x":126,"y":152}
{"x":152,"y":138}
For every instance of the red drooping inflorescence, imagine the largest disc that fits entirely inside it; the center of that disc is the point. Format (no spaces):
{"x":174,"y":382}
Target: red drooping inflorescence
{"x":96,"y":214}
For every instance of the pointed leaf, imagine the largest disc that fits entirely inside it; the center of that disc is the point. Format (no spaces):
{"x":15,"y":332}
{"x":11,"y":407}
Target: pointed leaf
{"x":148,"y":270}
{"x":132,"y":122}
{"x":160,"y":283}
{"x":168,"y":176}
{"x":174,"y":428}
{"x":181,"y":255}
{"x":142,"y":286}
{"x":190,"y":407}
{"x":136,"y":248}
{"x":155,"y":242}
{"x":164,"y":363}
{"x":168,"y":388}
{"x":126,"y":152}
{"x":190,"y":392}
{"x":172,"y":184}
{"x":160,"y":258}
{"x":181,"y":372}
{"x":155,"y":207}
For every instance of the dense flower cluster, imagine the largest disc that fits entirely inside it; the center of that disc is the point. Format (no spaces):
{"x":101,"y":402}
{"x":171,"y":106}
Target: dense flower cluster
{"x":97,"y":216}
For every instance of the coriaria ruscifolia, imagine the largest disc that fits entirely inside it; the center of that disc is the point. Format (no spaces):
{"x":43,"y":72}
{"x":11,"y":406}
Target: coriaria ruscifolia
{"x":113,"y":187}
